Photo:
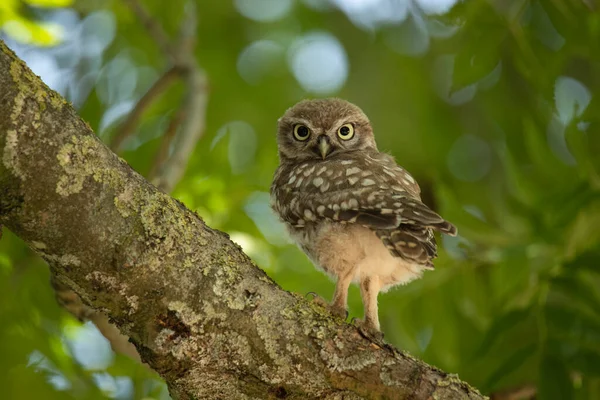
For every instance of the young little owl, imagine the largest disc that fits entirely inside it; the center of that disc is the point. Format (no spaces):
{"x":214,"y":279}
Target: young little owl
{"x":351,"y":208}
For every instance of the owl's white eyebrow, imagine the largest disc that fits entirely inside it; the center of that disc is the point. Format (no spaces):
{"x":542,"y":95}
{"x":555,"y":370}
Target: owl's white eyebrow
{"x":338,"y":122}
{"x":302,"y":121}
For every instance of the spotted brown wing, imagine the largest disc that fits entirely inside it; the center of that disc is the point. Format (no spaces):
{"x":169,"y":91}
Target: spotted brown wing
{"x":374,"y":194}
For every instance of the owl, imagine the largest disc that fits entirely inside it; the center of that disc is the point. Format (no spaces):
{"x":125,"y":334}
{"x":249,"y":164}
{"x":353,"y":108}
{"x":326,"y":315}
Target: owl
{"x":351,"y":208}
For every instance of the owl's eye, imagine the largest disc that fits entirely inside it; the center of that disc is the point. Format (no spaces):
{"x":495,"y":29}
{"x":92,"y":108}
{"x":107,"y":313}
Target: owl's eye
{"x":346,"y":132}
{"x":301,"y":132}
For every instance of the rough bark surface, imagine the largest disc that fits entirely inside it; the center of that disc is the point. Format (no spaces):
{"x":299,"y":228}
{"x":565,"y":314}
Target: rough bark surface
{"x":195,"y":306}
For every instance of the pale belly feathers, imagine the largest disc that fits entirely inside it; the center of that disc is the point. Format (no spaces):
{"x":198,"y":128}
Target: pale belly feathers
{"x":341,"y":249}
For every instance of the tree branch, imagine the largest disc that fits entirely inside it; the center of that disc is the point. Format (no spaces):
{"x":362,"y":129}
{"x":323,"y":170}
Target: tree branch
{"x":156,"y":31}
{"x":170,"y":165}
{"x":197,"y":309}
{"x":127,"y":127}
{"x":172,"y":169}
{"x":162,"y":155}
{"x":169,"y":171}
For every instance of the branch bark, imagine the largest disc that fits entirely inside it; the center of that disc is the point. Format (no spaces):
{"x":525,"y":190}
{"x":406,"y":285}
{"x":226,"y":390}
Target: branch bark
{"x":197,"y":309}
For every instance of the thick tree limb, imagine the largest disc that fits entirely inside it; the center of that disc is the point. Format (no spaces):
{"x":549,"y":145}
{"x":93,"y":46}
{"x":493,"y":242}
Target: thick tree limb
{"x":197,"y":309}
{"x":170,"y":162}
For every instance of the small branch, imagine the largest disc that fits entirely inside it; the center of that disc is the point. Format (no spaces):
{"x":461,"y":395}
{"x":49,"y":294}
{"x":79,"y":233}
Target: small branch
{"x":128,"y":126}
{"x":170,"y":169}
{"x":194,"y":110}
{"x":154,"y":28}
{"x":71,"y":302}
{"x":187,"y":34}
{"x":165,"y":146}
{"x":526,"y":392}
{"x":119,"y":343}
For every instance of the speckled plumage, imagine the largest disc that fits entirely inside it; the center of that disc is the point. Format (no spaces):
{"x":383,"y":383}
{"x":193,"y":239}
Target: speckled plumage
{"x":351,"y":208}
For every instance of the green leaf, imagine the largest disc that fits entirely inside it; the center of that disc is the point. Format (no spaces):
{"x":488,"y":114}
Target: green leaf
{"x":509,"y":321}
{"x":554,"y":380}
{"x":49,"y":3}
{"x":579,"y":288}
{"x":588,"y":363}
{"x":511,"y":365}
{"x":25,"y":31}
{"x":477,"y":58}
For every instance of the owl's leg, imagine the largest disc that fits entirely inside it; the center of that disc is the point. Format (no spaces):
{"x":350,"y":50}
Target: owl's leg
{"x":339,"y":305}
{"x":369,"y":289}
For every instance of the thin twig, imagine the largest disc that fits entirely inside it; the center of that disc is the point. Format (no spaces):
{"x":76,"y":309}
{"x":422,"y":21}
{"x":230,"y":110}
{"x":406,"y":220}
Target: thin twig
{"x":118,"y":342}
{"x":187,"y":33}
{"x":154,"y":28}
{"x":163,"y":152}
{"x":168,"y":170}
{"x":171,"y":169}
{"x":191,"y":131}
{"x":128,"y":126}
{"x":519,"y":393}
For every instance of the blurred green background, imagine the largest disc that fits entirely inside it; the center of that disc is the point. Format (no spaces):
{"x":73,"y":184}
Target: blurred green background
{"x":493,"y":106}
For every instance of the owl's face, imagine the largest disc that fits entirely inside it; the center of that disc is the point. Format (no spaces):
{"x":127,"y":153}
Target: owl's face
{"x":321,"y":129}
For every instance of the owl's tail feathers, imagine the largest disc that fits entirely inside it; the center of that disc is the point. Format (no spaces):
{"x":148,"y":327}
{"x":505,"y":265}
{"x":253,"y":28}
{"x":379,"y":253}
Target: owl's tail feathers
{"x":447,"y":228}
{"x":418,"y":213}
{"x":412,"y":246}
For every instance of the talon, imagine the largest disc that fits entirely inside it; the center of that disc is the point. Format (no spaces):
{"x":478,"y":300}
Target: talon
{"x":337,"y":311}
{"x":368,"y":331}
{"x":319,"y":300}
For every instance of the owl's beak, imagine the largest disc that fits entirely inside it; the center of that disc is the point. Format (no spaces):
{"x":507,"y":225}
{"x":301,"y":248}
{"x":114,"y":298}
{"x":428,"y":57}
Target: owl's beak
{"x":323,"y":145}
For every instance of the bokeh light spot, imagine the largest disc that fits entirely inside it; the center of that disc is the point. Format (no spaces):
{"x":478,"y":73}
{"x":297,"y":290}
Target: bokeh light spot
{"x":443,"y":73}
{"x":120,"y":387}
{"x":555,"y":134}
{"x":264,"y":10}
{"x":258,"y":208}
{"x":258,"y":59}
{"x":97,"y":31}
{"x":18,"y":30}
{"x":370,"y":14}
{"x":319,"y":63}
{"x":571,"y":98}
{"x":89,"y":347}
{"x":242,"y":144}
{"x":410,"y":38}
{"x":435,"y":6}
{"x":469,"y":159}
{"x":117,"y":81}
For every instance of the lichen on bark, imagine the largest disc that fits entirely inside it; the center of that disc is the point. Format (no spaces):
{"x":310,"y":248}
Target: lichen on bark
{"x":196,"y":307}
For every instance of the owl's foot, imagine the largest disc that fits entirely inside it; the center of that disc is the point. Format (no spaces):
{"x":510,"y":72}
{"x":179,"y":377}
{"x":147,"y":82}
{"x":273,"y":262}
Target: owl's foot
{"x":337,"y":311}
{"x":368,"y":330}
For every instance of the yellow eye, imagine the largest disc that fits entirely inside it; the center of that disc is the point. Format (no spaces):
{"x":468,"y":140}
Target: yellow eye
{"x":346,"y":132}
{"x":301,"y":132}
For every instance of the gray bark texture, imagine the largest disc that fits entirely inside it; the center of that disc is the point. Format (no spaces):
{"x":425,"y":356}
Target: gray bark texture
{"x":198,"y":310}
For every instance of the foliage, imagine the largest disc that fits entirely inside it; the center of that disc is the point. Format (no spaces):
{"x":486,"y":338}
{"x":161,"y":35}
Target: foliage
{"x":16,"y":19}
{"x":493,"y":106}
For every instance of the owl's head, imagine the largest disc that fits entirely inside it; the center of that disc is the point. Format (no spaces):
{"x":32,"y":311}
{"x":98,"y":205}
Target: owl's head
{"x":323,"y":128}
